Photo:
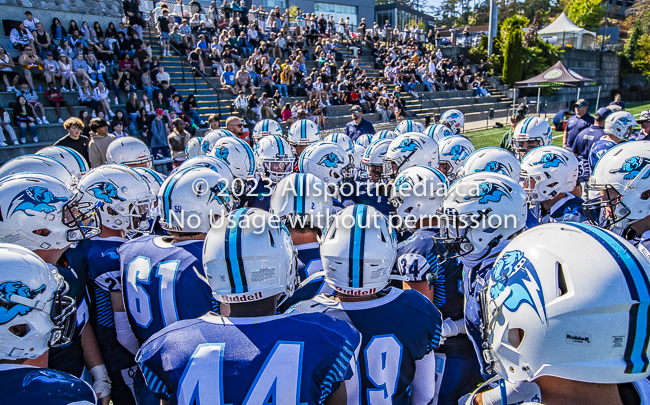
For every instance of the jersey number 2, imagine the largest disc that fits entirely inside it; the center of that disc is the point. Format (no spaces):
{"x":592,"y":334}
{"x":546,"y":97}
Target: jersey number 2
{"x":202,"y":379}
{"x":138,"y":301}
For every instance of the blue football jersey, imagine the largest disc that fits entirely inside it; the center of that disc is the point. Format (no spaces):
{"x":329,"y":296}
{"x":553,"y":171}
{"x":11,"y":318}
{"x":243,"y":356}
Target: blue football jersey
{"x":70,"y":358}
{"x":22,"y":385}
{"x":281,"y":359}
{"x":309,"y":263}
{"x":259,"y":197}
{"x":163,"y":283}
{"x":567,"y":209}
{"x":397,"y":329}
{"x":581,"y":147}
{"x":104,"y":277}
{"x":367,"y":194}
{"x":598,"y":149}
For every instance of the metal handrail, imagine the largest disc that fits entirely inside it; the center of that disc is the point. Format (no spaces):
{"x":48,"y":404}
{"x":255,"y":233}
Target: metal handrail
{"x":202,"y":75}
{"x":422,"y":97}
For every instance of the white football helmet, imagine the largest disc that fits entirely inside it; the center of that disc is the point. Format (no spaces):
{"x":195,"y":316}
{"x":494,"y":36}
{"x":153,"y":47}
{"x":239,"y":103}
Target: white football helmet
{"x":327,"y":161}
{"x":32,"y":294}
{"x":122,"y":195}
{"x":274,"y":157}
{"x":531,"y":133}
{"x":492,"y":159}
{"x":622,"y":176}
{"x":453,"y":152}
{"x":301,"y":201}
{"x":129,"y":151}
{"x":406,"y":126}
{"x":210,"y":162}
{"x":38,"y":164}
{"x":372,"y":163}
{"x":303,"y":132}
{"x":211,"y":137}
{"x":359,"y":151}
{"x":620,"y":124}
{"x":266,"y":127}
{"x":343,"y":140}
{"x":194,"y":147}
{"x":249,"y":256}
{"x":383,"y":134}
{"x":40,"y":212}
{"x":417,"y":194}
{"x":547,"y":308}
{"x":438,"y":132}
{"x":70,"y":158}
{"x":454,"y":120}
{"x":240,"y":158}
{"x":364,"y":140}
{"x":192,"y":199}
{"x":548,"y":171}
{"x":154,"y":179}
{"x":481,"y":210}
{"x":408,"y":150}
{"x":358,"y":251}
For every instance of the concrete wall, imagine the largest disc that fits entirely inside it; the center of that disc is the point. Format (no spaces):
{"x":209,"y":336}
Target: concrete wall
{"x":103,"y":11}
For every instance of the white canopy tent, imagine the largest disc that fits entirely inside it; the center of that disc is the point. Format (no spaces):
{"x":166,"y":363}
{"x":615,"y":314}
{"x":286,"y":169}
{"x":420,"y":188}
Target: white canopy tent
{"x":564,"y":32}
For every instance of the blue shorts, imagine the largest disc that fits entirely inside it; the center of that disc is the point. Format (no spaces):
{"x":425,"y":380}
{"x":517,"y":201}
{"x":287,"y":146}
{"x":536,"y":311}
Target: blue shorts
{"x":165,"y":36}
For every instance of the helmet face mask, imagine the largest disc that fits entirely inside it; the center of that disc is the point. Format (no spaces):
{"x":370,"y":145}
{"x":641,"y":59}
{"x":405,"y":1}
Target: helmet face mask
{"x":83,"y":218}
{"x":607,"y":209}
{"x":63,"y":307}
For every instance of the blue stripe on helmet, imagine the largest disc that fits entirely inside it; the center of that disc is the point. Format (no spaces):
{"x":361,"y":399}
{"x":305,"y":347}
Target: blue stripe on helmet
{"x":251,"y":157}
{"x":440,"y":176}
{"x":299,"y":204}
{"x":83,"y":165}
{"x":526,"y":123}
{"x":357,"y":239}
{"x":232,"y":250}
{"x":280,"y":146}
{"x":153,"y":174}
{"x":303,"y":129}
{"x":265,"y":125}
{"x":167,"y":191}
{"x":639,"y":286}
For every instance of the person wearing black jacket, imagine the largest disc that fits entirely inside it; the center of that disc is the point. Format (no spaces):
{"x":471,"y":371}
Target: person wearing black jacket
{"x":190,"y":108}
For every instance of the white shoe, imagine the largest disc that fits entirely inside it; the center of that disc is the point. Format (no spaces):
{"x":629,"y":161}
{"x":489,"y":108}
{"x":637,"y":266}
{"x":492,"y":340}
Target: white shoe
{"x":3,"y":144}
{"x":117,"y":102}
{"x":63,"y":89}
{"x":38,"y":121}
{"x":11,"y":88}
{"x":94,"y":115}
{"x":93,"y":82}
{"x":16,"y":142}
{"x":45,"y":121}
{"x":23,"y":140}
{"x":35,"y":139}
{"x":60,"y":120}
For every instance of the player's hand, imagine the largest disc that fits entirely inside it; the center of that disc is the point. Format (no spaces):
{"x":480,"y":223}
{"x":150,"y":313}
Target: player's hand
{"x":101,"y":383}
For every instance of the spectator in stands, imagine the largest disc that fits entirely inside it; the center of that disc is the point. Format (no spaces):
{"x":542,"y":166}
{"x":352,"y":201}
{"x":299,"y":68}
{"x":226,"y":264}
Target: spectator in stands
{"x":86,"y":97}
{"x":25,"y":117}
{"x":81,"y":69}
{"x":617,"y":101}
{"x":100,"y":138}
{"x":5,"y":127}
{"x":32,"y":65}
{"x":244,"y":80}
{"x":143,"y":125}
{"x":359,"y":125}
{"x":42,"y":41}
{"x":240,"y":104}
{"x":159,"y":145}
{"x":67,"y":73}
{"x":58,"y":32}
{"x":228,"y":80}
{"x":162,"y":76}
{"x":163,"y":28}
{"x":118,"y":129}
{"x":55,"y":97}
{"x":20,"y":37}
{"x":100,"y":95}
{"x":195,"y":59}
{"x":7,"y":70}
{"x":190,"y":107}
{"x":32,"y":99}
{"x":177,"y":141}
{"x":147,"y":84}
{"x":253,"y":109}
{"x":577,"y":123}
{"x":133,"y":109}
{"x":99,"y":33}
{"x":74,"y":138}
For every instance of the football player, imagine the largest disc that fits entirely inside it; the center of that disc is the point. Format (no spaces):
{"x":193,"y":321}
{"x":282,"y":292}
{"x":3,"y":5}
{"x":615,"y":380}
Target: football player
{"x":372,"y":188}
{"x":124,"y":200}
{"x":162,"y":276}
{"x":129,"y":151}
{"x":531,"y":133}
{"x":42,"y":214}
{"x":548,"y":175}
{"x":454,"y":120}
{"x":252,"y":355}
{"x":618,"y":128}
{"x":573,"y":324}
{"x":302,"y":133}
{"x":35,"y":317}
{"x":417,"y":195}
{"x":330,"y":163}
{"x":275,"y":160}
{"x":400,"y":329}
{"x":407,"y":150}
{"x":406,"y":126}
{"x":453,"y":151}
{"x":305,"y":208}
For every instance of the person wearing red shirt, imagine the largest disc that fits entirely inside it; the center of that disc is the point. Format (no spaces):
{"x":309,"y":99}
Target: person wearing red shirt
{"x":55,"y":97}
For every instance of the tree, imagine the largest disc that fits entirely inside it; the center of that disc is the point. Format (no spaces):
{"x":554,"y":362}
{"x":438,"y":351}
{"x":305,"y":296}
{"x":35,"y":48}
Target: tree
{"x":531,"y":35}
{"x":586,"y":14}
{"x":513,"y":58}
{"x":514,"y":23}
{"x":633,"y":42}
{"x":642,"y":56}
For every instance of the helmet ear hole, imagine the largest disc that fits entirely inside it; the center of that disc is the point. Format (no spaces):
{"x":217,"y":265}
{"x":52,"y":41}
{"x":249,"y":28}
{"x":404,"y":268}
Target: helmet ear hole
{"x":561,"y":280}
{"x":645,"y":195}
{"x":19,"y":330}
{"x":515,"y":337}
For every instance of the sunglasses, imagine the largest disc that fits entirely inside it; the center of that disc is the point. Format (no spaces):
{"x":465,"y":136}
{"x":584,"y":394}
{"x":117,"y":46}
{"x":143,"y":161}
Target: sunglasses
{"x":236,"y":125}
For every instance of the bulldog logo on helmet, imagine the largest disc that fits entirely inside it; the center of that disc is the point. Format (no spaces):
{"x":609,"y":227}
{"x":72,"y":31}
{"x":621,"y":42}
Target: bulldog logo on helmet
{"x":330,"y":160}
{"x":36,"y":199}
{"x":105,"y":192}
{"x":489,"y":192}
{"x":12,"y":291}
{"x":551,"y":160}
{"x":457,"y":152}
{"x":514,"y":270}
{"x":632,"y":167}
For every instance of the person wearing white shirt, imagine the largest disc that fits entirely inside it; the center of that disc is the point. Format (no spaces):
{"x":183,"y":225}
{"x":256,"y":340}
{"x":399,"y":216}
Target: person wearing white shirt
{"x":162,"y":76}
{"x":100,"y":94}
{"x":30,"y":22}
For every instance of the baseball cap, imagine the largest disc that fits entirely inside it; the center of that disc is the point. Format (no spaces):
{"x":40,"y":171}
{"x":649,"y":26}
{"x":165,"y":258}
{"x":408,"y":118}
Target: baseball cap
{"x":644,"y":117}
{"x":355,"y":108}
{"x":581,"y":102}
{"x":49,"y":54}
{"x":602,"y":113}
{"x":159,"y":111}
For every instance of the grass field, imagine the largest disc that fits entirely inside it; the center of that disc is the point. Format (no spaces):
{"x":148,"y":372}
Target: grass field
{"x":492,"y":136}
